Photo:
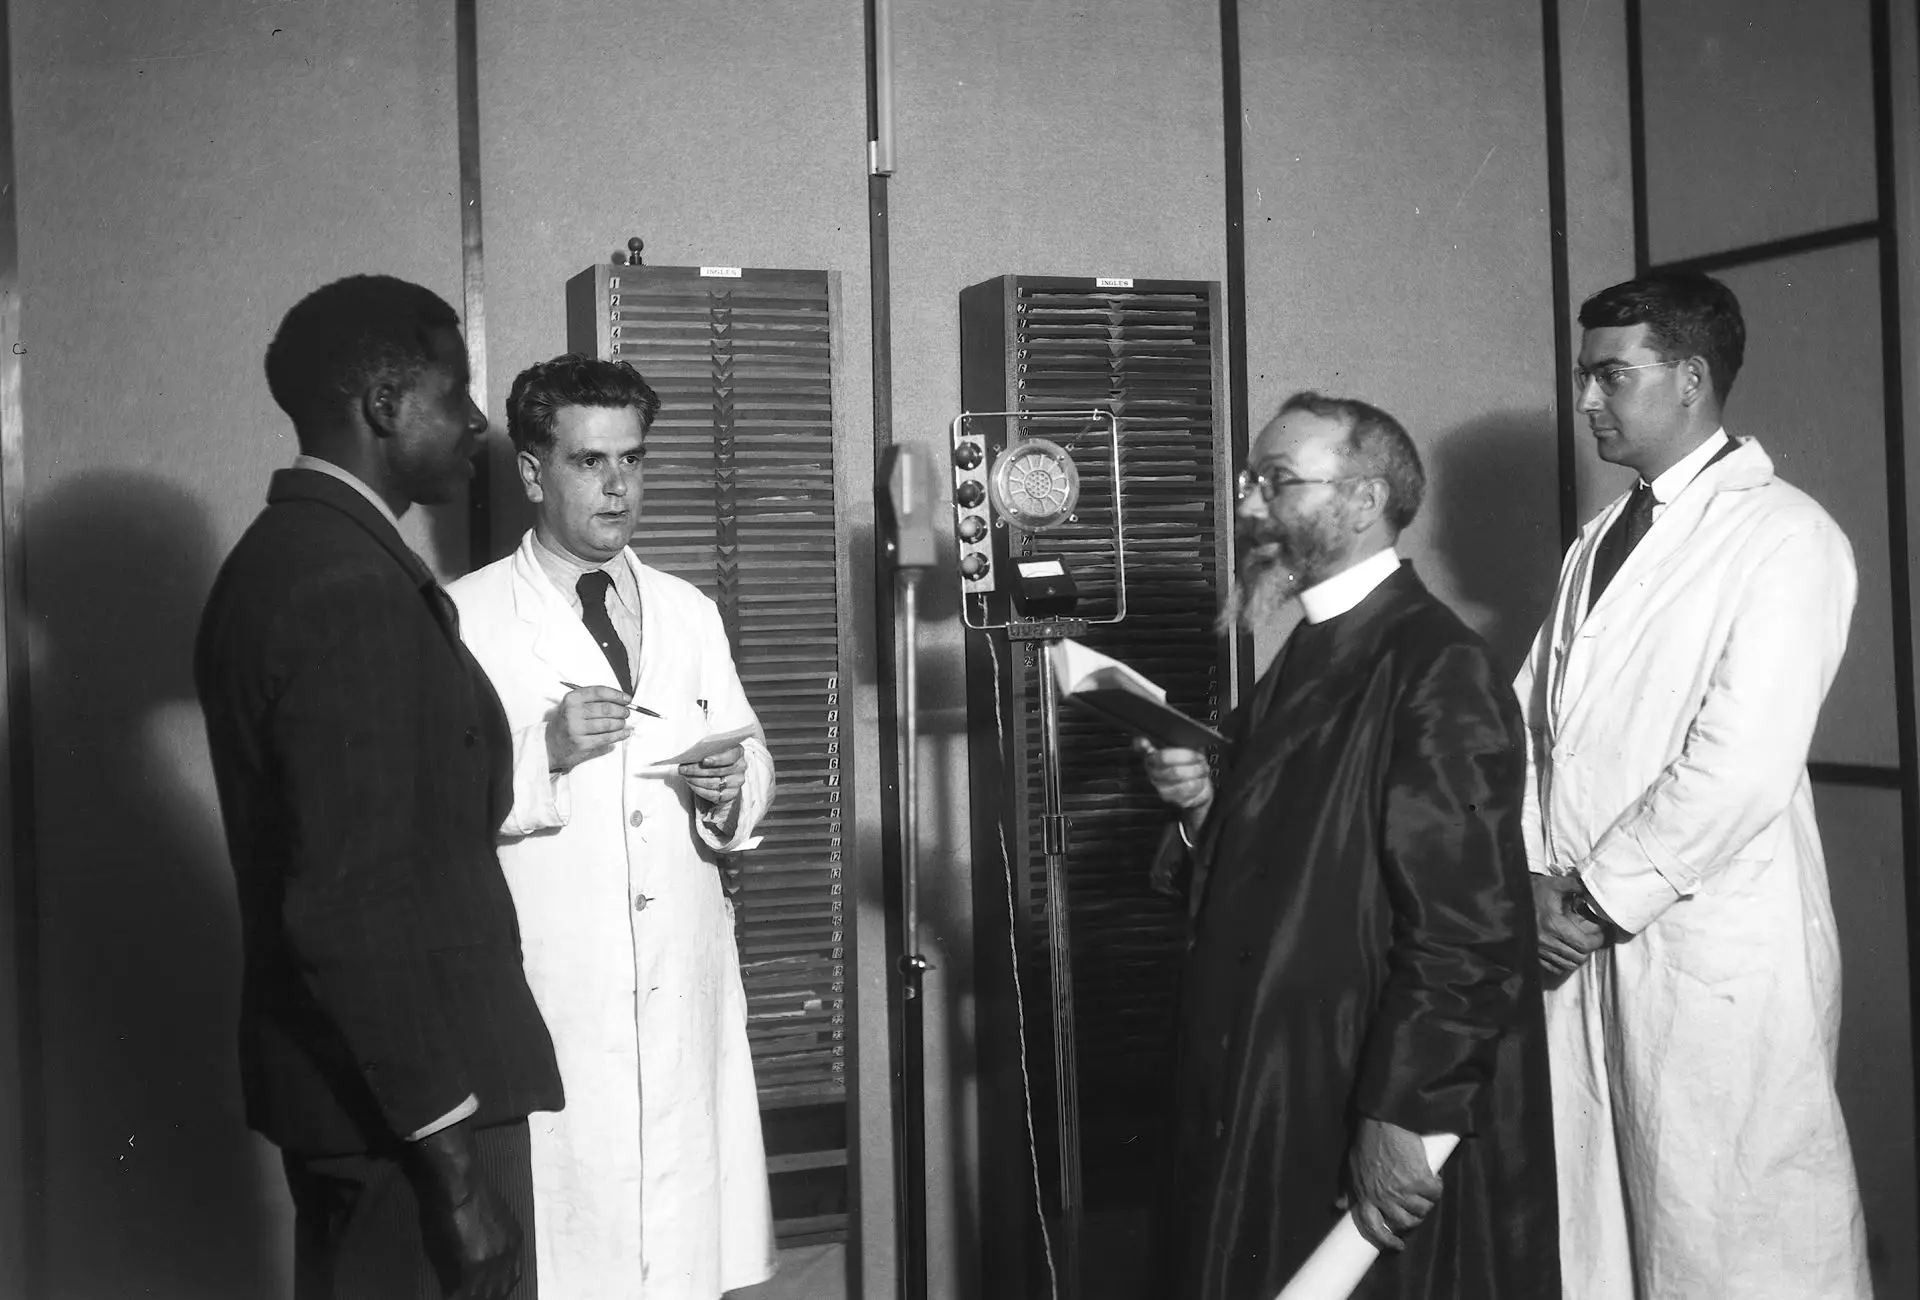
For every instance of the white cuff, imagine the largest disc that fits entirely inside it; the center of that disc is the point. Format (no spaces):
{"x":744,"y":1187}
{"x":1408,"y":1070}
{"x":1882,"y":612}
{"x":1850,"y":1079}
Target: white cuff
{"x":448,"y":1120}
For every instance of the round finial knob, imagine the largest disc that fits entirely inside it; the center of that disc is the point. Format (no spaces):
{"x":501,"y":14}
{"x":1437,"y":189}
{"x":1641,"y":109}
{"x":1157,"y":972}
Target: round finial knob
{"x":634,"y":247}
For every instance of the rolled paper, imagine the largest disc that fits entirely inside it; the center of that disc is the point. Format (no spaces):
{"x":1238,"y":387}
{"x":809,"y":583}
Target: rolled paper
{"x":1344,"y":1256}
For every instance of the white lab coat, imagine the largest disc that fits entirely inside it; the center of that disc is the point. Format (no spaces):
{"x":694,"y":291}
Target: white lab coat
{"x":1699,"y":1140}
{"x":652,"y":1182}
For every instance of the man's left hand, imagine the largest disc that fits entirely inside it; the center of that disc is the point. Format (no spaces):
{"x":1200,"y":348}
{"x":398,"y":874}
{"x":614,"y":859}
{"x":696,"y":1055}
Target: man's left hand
{"x":717,"y":778}
{"x":1390,"y":1184}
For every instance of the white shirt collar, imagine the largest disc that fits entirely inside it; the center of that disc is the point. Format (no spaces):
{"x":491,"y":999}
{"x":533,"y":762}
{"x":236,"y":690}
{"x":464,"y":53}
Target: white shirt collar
{"x":331,"y":470}
{"x":1667,"y":486}
{"x":564,"y":570}
{"x":1347,"y":588}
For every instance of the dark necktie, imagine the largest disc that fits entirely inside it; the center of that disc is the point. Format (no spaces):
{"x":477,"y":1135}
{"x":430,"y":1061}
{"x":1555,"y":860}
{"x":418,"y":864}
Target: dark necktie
{"x":593,"y":588}
{"x":1620,"y":540}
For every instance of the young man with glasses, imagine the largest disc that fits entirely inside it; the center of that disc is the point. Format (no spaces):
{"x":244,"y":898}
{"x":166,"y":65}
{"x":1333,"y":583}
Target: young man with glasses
{"x":1680,"y":891}
{"x":1361,"y":971}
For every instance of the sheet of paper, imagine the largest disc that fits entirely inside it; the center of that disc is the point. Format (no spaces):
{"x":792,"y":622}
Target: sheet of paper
{"x":711,"y":743}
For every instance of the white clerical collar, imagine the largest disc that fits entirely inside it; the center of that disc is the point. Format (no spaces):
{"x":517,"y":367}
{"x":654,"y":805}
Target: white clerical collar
{"x":1667,"y":486}
{"x":331,"y":470}
{"x":1347,"y":588}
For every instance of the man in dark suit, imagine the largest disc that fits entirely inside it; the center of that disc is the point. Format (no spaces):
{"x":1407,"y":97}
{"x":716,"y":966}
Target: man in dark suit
{"x":389,"y":1044}
{"x":1360,"y":973}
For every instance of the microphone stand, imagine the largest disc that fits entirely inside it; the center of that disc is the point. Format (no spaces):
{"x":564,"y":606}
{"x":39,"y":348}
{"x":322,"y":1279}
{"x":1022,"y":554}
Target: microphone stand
{"x":910,"y":547}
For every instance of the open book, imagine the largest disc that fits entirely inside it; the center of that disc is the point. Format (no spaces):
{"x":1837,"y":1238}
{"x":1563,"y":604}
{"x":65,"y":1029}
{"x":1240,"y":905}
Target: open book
{"x":1103,"y":685}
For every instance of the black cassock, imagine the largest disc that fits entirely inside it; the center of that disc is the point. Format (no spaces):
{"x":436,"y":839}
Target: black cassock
{"x":1363,"y":945}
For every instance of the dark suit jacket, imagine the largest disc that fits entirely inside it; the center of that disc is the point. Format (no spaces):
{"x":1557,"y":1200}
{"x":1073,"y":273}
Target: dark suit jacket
{"x":363,"y":766}
{"x":1363,"y":945}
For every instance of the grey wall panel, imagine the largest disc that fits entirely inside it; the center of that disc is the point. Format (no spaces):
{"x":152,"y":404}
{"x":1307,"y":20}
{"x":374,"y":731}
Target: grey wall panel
{"x":1397,"y":251}
{"x":1759,"y":121}
{"x":1038,"y":139}
{"x":185,"y":174}
{"x":1811,"y":393}
{"x":722,"y":133}
{"x":1860,"y":830}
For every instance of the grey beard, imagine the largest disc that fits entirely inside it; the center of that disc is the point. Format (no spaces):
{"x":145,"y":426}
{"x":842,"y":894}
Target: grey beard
{"x":1255,"y":599}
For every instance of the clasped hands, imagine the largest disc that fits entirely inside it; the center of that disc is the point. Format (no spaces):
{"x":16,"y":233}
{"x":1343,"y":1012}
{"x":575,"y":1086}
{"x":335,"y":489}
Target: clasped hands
{"x":590,"y":721}
{"x":1567,"y":939}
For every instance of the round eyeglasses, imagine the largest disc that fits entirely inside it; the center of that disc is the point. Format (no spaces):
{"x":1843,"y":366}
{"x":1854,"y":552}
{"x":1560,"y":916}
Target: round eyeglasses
{"x":1273,"y":481}
{"x":1610,"y":377}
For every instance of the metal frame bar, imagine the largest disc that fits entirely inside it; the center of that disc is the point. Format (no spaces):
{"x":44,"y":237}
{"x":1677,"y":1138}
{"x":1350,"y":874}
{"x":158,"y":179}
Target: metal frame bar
{"x":473,"y":264}
{"x":1567,"y":452}
{"x":1637,"y":136}
{"x":1749,"y":254}
{"x":1898,"y":533}
{"x":23,"y":1235}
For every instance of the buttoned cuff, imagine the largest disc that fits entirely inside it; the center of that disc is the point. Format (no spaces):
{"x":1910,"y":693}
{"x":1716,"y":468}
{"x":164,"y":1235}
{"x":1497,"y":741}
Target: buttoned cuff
{"x":737,"y":842}
{"x":1634,"y":879}
{"x":542,"y":797}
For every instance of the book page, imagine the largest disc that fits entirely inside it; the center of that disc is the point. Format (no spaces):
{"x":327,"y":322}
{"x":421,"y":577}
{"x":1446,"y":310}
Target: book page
{"x":1077,"y":667}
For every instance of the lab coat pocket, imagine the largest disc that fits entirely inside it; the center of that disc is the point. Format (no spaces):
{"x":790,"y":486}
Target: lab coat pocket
{"x":1721,"y":936}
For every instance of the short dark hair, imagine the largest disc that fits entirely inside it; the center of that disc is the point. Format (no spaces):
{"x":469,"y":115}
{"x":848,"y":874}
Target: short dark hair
{"x":1377,"y":446}
{"x":1687,"y":314}
{"x":541,"y":390}
{"x":347,"y":336}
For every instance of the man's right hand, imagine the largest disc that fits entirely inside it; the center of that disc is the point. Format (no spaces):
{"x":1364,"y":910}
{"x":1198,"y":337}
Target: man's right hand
{"x":586,"y":724}
{"x":476,"y":1228}
{"x":1179,"y":776}
{"x":1566,"y":940}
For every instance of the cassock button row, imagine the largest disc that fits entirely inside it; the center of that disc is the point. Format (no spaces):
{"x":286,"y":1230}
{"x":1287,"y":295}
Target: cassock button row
{"x":1219,"y":1128}
{"x":634,"y":820}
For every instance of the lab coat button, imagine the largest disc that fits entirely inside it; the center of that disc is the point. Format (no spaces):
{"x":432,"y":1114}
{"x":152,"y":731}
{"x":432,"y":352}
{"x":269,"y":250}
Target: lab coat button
{"x":634,"y":820}
{"x":640,"y":902}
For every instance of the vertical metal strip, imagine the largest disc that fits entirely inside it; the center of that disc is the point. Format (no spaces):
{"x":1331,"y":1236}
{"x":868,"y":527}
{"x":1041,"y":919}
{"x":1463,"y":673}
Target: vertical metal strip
{"x":1232,"y":115}
{"x":22,"y":1132}
{"x":1567,"y":458}
{"x":1887,"y":185}
{"x":1637,"y":138}
{"x":1233,"y":140}
{"x":473,"y":275}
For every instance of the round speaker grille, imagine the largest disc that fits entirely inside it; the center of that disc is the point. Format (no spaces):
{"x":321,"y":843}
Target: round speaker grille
{"x":1034,"y":484}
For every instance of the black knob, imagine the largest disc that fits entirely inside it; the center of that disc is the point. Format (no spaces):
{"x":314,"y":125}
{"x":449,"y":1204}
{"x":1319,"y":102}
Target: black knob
{"x":967,"y":455}
{"x":974,"y":566}
{"x":970,"y":494}
{"x":634,"y":247}
{"x":972,"y":528}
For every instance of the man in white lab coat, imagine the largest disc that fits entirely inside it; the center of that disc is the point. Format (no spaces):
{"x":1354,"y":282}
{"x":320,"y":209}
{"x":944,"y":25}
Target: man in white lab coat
{"x":652,"y":1182}
{"x":1680,"y":891}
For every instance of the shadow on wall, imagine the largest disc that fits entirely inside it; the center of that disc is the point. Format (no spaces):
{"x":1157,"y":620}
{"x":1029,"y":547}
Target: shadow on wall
{"x":1486,"y":518}
{"x":154,"y":1185}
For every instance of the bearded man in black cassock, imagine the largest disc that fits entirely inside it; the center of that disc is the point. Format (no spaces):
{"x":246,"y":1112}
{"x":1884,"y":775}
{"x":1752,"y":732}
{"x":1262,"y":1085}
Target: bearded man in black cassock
{"x":1361,"y":967}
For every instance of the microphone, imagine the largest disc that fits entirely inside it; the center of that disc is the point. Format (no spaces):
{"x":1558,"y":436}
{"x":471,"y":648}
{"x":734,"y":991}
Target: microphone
{"x":908,"y":519}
